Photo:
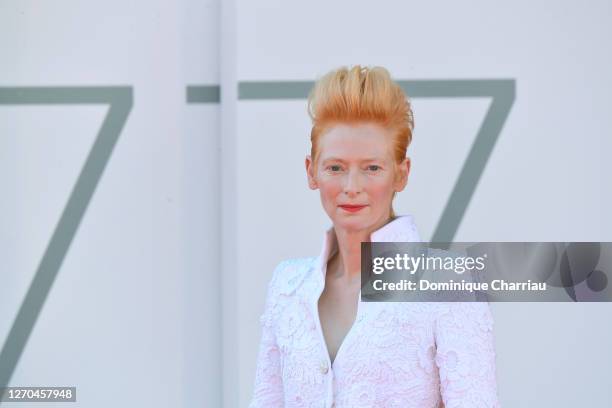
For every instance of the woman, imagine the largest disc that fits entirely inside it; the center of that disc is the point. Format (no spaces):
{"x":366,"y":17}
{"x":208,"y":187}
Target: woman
{"x":321,"y":346}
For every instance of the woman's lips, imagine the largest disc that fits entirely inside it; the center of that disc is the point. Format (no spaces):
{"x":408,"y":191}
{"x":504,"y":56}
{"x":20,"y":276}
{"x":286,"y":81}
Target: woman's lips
{"x":352,"y":208}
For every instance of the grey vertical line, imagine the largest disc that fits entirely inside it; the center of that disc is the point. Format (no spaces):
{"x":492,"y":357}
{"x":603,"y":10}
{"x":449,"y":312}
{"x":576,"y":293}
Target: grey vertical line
{"x":203,"y":94}
{"x":503,"y":93}
{"x":120,"y":100}
{"x":228,"y":198}
{"x":211,"y":94}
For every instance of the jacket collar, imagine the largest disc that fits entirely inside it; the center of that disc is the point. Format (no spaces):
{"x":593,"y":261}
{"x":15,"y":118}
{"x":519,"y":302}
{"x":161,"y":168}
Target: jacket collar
{"x":400,"y":229}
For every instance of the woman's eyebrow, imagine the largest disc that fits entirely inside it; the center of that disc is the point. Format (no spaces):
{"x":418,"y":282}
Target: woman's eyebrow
{"x":333,"y":159}
{"x":337,"y":159}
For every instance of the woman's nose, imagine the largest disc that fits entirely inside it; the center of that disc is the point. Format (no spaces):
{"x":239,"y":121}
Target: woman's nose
{"x":352,"y":184}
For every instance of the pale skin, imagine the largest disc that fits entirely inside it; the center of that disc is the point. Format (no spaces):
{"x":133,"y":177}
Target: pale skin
{"x":355,"y":165}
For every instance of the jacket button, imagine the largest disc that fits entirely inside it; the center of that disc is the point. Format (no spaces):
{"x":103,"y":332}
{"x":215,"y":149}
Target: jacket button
{"x":324,"y":368}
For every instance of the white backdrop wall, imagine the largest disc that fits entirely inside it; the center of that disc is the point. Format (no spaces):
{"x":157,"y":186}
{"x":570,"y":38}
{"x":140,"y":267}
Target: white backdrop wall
{"x":158,"y":298}
{"x":547,"y":178}
{"x":132,"y":318}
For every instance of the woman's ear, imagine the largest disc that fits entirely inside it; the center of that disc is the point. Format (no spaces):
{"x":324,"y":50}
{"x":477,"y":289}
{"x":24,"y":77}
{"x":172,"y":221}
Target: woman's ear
{"x":312,"y":182}
{"x":403,"y":170}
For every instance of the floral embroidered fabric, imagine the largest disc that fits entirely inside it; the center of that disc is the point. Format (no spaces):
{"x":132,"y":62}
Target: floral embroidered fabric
{"x":396,"y":354}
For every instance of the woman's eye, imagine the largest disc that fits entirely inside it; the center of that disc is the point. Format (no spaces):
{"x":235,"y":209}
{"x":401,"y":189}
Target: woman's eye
{"x":334,"y":168}
{"x":373,"y":167}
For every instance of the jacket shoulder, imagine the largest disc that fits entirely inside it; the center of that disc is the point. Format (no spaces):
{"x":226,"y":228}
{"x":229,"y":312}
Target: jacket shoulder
{"x":290,"y":273}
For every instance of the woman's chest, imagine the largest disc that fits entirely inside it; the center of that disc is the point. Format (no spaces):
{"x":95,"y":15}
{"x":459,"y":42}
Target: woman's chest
{"x":381,"y":334}
{"x":337,"y":311}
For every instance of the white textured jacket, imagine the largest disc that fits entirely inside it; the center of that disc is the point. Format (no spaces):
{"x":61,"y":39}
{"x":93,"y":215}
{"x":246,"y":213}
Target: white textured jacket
{"x":395,"y":355}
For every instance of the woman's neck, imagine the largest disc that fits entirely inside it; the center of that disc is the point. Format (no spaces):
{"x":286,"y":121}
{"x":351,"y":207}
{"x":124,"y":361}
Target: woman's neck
{"x":347,"y":265}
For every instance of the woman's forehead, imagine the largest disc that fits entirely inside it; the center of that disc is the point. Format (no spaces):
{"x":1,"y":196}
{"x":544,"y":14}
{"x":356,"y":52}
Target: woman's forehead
{"x":364,"y":141}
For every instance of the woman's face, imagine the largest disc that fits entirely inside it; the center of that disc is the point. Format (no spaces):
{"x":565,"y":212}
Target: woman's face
{"x":355,"y":167}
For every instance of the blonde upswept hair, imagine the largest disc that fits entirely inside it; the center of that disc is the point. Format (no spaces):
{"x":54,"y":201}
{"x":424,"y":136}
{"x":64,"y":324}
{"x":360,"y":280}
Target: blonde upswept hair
{"x":357,"y":95}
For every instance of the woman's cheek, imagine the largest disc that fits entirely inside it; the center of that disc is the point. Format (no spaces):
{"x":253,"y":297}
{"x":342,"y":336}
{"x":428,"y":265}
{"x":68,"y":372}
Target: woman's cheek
{"x":330,"y":187}
{"x":382,"y":190}
{"x":329,"y":194}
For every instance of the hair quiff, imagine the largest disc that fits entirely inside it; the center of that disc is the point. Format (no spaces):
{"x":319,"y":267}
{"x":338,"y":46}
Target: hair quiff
{"x":360,"y":94}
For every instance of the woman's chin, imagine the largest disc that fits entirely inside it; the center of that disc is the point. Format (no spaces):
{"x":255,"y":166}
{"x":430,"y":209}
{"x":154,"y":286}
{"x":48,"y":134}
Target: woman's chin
{"x":354,"y":221}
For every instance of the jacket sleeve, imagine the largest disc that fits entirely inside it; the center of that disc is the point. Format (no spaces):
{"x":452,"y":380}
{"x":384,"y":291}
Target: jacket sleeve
{"x":465,"y":355}
{"x":268,"y":390}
